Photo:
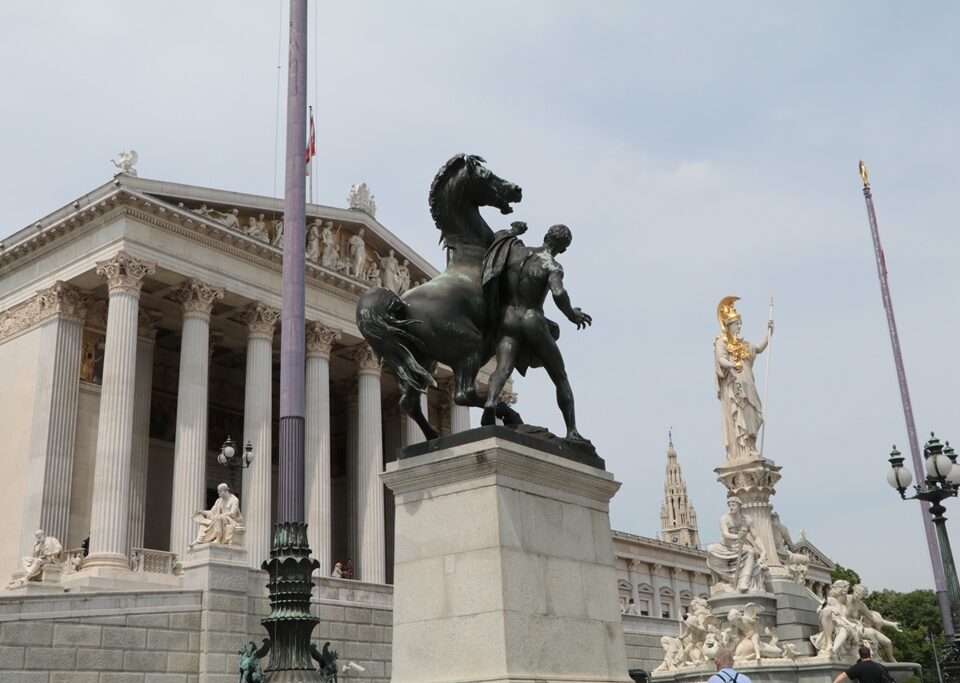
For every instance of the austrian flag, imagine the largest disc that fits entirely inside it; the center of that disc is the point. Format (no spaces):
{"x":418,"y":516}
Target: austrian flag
{"x":311,"y":144}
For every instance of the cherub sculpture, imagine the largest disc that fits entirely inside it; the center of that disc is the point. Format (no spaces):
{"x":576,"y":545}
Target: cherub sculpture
{"x":750,"y":648}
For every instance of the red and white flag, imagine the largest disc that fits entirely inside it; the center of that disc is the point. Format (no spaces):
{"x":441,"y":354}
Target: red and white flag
{"x":311,"y":144}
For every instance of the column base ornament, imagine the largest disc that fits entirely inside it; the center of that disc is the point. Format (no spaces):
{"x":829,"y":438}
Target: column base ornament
{"x":290,"y":623}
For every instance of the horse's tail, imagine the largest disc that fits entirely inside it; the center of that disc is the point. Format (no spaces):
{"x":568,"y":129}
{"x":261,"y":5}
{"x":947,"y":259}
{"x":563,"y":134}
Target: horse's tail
{"x":381,"y":317}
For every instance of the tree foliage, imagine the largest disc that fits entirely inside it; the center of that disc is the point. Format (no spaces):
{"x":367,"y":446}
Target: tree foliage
{"x":841,"y":572}
{"x":918,"y":613}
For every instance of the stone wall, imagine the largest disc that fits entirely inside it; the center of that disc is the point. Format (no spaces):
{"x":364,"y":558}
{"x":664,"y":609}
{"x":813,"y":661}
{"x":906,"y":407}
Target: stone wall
{"x":642,"y":636}
{"x":134,"y":637}
{"x":192,"y":636}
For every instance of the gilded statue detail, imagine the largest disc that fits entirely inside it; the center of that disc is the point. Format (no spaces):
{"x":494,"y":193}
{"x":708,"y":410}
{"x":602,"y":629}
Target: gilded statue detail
{"x":736,"y":387}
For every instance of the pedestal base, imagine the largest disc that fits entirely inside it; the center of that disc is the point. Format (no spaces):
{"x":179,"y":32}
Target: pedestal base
{"x":504,"y":567}
{"x":812,"y":670}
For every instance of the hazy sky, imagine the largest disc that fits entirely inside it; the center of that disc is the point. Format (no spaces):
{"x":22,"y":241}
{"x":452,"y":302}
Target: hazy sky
{"x":695,"y":149}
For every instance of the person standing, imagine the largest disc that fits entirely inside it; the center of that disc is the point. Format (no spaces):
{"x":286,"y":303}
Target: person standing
{"x":865,"y":670}
{"x":725,"y":671}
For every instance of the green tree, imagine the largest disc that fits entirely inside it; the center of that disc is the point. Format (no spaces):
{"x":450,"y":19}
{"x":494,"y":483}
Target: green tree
{"x":918,"y":613}
{"x":841,"y":572}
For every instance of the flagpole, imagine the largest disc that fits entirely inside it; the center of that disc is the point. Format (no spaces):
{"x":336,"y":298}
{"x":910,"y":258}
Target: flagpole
{"x":936,"y":560}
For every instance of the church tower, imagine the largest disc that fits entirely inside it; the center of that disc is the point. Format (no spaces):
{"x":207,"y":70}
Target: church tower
{"x":678,"y":521}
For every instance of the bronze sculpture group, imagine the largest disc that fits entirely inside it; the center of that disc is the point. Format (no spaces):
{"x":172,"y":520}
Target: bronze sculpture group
{"x":487,"y":302}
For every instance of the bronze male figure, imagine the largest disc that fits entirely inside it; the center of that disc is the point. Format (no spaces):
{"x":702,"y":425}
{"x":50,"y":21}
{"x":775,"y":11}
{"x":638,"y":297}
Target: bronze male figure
{"x":516,"y":280}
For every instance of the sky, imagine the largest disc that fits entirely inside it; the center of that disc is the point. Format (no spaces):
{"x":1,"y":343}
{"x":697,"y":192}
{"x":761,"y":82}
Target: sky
{"x":696,"y":150}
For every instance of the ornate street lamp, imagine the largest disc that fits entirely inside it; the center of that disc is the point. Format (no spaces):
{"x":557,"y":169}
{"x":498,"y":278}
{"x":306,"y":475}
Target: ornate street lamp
{"x":230,"y":458}
{"x":942,"y":482}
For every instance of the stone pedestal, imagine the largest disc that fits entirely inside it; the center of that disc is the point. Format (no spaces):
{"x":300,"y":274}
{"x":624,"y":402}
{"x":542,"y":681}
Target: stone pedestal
{"x":796,"y":614}
{"x":812,"y":670}
{"x":721,"y":604}
{"x":504,"y":565}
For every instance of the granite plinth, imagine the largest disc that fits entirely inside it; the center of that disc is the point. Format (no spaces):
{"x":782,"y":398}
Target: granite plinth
{"x":504,"y":565}
{"x":812,"y":670}
{"x":538,"y":438}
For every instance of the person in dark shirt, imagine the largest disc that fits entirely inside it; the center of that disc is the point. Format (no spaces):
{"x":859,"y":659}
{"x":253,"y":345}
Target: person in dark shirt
{"x":865,"y":670}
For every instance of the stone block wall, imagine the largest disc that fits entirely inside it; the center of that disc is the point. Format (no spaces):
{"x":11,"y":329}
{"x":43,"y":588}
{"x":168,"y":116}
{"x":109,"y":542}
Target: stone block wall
{"x":192,"y":636}
{"x":135,"y":637}
{"x":642,"y":636}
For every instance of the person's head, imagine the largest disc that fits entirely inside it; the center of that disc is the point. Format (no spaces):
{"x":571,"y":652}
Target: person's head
{"x":733,"y":615}
{"x":733,"y":328}
{"x":39,"y":534}
{"x":864,"y":652}
{"x":338,"y":565}
{"x":860,"y":591}
{"x":558,"y":238}
{"x":724,"y":659}
{"x":223,"y":490}
{"x":734,"y":504}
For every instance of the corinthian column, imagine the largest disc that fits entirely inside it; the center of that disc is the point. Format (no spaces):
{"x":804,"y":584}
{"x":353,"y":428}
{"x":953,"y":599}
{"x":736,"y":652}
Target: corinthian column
{"x":369,"y":505}
{"x":50,"y":461}
{"x":110,"y":514}
{"x":261,"y":321}
{"x":190,"y":448}
{"x":146,"y":340}
{"x":317,"y":442}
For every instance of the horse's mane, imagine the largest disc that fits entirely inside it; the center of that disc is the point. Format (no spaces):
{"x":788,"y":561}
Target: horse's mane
{"x":440,"y":182}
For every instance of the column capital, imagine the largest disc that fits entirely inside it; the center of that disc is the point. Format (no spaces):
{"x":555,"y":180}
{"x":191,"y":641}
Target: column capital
{"x":63,"y":300}
{"x":366,"y":359}
{"x":261,"y":319}
{"x":125,"y":273}
{"x":320,"y":339}
{"x":197,"y":297}
{"x":147,"y":322}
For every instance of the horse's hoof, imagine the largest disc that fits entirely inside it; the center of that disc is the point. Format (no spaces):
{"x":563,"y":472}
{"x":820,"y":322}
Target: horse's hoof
{"x":489,"y":417}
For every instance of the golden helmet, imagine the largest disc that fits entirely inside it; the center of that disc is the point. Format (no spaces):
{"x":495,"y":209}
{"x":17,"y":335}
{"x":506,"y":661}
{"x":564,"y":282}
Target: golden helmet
{"x":726,"y":313}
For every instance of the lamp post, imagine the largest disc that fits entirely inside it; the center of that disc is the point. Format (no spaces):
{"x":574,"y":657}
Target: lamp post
{"x":230,"y":458}
{"x":942,"y":481}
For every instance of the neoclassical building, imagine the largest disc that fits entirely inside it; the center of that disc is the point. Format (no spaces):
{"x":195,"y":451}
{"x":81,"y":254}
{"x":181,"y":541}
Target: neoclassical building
{"x":138,"y":330}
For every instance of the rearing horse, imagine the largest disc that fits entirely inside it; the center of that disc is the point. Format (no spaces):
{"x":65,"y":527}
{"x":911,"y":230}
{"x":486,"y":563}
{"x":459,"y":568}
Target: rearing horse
{"x":445,"y":320}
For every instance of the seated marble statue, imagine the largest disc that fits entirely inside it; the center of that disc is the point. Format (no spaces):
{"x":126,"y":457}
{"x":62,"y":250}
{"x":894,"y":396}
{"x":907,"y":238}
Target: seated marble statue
{"x":46,"y":550}
{"x":795,"y":563}
{"x":219,"y":522}
{"x":737,"y":561}
{"x":872,"y":623}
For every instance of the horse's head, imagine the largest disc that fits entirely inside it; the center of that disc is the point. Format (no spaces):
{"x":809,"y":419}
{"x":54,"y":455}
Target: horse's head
{"x":459,"y":189}
{"x":485,"y":188}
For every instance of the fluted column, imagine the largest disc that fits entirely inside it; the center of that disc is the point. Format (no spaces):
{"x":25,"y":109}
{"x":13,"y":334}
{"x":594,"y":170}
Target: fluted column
{"x":110,"y":513}
{"x":50,"y":460}
{"x":353,"y":433}
{"x":261,"y":321}
{"x":146,"y":341}
{"x":369,"y":504}
{"x":410,"y":432}
{"x":316,"y":464}
{"x":459,"y":415}
{"x":190,"y":448}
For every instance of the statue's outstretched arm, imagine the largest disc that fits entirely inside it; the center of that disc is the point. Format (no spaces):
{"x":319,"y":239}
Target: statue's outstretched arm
{"x":562,"y":299}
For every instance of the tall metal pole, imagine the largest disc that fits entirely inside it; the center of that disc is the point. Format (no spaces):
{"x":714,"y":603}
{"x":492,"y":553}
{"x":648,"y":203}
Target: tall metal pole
{"x":936,"y":560}
{"x":291,"y":623}
{"x":292,"y":341}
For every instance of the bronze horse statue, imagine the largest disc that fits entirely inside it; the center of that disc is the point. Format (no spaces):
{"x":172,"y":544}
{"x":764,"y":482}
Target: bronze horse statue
{"x":445,"y":320}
